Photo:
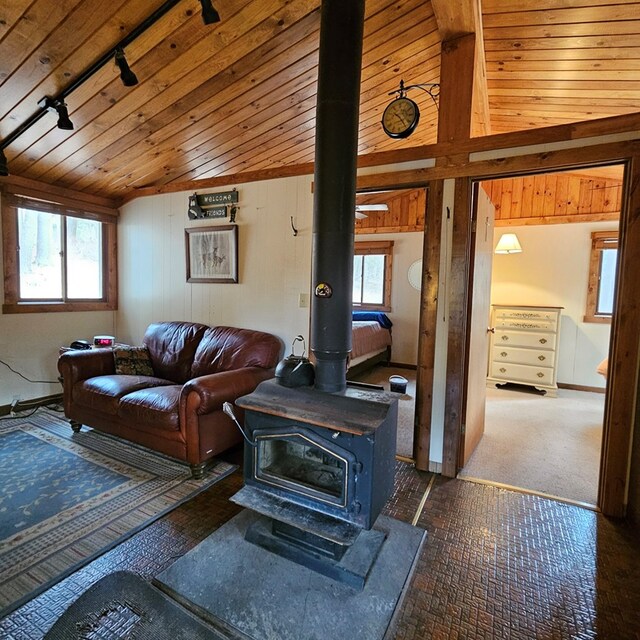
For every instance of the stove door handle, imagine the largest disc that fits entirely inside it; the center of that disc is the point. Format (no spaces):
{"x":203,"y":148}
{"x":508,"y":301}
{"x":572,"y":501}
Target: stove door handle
{"x":227,"y":408}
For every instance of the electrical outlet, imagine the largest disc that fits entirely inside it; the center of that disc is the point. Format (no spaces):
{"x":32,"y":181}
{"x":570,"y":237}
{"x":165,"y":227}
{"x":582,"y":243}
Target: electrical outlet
{"x":303,"y":300}
{"x":14,"y":406}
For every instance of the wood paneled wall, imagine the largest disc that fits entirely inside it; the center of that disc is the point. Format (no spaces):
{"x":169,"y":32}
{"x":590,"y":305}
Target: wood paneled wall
{"x":406,"y":213}
{"x":554,"y":198}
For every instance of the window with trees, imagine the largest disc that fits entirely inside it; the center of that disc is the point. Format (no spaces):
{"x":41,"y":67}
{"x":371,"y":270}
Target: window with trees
{"x":602,"y":276}
{"x":56,"y":257}
{"x":372,"y":270}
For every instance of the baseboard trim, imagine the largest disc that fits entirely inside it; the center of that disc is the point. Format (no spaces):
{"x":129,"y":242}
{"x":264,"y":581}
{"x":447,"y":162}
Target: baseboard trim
{"x":579,"y":387}
{"x":403,"y":365}
{"x":26,"y":405}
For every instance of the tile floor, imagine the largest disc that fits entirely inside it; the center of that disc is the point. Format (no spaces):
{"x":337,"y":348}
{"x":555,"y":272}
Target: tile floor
{"x":497,"y":564}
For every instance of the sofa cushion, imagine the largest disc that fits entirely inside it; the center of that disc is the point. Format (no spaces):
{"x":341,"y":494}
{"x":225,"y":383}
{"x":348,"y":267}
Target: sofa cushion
{"x":172,"y":346}
{"x":228,"y":348}
{"x":104,"y":392}
{"x":152,"y":409}
{"x":133,"y":361}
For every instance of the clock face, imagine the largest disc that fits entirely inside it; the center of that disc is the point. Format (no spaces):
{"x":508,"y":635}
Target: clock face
{"x":400,"y":118}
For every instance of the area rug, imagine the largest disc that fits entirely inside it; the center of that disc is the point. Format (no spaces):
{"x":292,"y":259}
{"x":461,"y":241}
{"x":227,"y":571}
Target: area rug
{"x":66,"y":498}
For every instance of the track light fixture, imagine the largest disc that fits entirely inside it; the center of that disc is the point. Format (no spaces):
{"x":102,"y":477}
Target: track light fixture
{"x":4,"y":167}
{"x":60,"y":107}
{"x":127,"y":76}
{"x":209,"y":14}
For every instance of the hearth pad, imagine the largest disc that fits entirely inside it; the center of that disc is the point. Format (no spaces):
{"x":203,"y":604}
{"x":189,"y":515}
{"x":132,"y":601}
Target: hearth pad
{"x":254,"y":594}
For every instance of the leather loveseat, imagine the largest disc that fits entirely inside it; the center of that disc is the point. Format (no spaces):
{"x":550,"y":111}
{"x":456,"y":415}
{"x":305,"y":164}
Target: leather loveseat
{"x":177,"y":410}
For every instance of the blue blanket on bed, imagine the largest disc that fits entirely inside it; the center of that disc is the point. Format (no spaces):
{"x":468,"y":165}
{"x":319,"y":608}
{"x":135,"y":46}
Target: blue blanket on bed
{"x":381,"y":318}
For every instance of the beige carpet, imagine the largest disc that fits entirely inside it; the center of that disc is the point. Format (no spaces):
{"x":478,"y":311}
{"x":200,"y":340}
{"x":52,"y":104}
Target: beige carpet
{"x":406,"y":407}
{"x":550,"y":445}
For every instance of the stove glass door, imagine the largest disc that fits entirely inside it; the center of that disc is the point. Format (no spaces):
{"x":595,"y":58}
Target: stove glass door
{"x":297,"y":463}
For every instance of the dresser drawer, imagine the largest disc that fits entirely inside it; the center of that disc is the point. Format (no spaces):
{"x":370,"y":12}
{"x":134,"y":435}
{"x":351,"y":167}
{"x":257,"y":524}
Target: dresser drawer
{"x":532,"y":315}
{"x":524,"y":339}
{"x":525,"y":325}
{"x":522,"y":373}
{"x":535,"y":357}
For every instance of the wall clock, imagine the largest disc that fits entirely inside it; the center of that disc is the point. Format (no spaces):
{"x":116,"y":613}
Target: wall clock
{"x":400,"y":118}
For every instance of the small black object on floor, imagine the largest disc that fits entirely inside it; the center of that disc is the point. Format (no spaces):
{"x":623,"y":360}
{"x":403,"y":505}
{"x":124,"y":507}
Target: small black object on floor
{"x":123,"y":605}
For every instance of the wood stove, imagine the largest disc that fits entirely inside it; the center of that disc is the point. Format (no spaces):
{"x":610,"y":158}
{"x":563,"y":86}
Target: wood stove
{"x":320,"y":460}
{"x":331,"y":453}
{"x":320,"y":467}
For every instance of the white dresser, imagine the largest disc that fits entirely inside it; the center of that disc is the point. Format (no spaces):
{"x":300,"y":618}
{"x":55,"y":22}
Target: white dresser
{"x":524,"y":346}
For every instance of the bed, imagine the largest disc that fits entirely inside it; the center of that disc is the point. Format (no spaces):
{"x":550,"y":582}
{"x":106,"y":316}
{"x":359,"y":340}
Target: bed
{"x":371,"y":341}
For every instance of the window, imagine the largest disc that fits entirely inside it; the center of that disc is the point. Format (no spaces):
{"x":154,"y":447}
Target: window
{"x":56,"y":257}
{"x":372,"y":268}
{"x":602,"y":276}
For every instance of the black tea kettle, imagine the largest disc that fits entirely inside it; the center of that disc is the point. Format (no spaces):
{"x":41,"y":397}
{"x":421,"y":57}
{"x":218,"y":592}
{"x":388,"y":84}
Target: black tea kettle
{"x":295,"y":371}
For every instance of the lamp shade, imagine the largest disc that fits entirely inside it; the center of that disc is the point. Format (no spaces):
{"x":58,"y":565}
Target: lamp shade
{"x":508,"y":243}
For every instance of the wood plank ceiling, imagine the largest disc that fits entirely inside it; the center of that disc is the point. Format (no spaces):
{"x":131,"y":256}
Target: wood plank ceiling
{"x":239,"y":95}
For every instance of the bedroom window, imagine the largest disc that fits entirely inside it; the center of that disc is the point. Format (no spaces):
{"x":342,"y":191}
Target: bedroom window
{"x":372,"y":269}
{"x":56,"y":258}
{"x":602,"y":276}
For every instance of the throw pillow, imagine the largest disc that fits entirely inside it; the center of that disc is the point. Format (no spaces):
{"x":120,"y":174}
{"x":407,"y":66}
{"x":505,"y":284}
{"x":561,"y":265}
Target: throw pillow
{"x":133,"y":361}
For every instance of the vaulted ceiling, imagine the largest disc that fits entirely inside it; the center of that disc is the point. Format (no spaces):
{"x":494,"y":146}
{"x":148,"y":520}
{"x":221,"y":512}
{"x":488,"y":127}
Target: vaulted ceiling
{"x":239,"y":95}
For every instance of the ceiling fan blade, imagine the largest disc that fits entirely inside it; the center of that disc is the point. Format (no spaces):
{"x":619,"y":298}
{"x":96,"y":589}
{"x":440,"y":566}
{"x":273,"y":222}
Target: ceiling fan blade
{"x":360,"y":215}
{"x":372,"y":207}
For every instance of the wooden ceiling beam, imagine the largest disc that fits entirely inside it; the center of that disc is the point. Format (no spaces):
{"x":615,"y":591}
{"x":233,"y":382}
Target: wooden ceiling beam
{"x":456,"y":19}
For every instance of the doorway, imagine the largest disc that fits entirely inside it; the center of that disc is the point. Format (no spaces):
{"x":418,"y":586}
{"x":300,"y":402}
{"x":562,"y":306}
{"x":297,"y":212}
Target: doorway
{"x":516,"y":435}
{"x":395,"y":217}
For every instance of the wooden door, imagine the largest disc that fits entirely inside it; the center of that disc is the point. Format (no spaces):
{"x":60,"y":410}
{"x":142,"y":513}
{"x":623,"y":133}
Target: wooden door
{"x":480,"y":277}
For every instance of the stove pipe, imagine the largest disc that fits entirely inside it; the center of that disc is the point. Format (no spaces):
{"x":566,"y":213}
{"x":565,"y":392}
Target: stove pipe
{"x":336,"y":151}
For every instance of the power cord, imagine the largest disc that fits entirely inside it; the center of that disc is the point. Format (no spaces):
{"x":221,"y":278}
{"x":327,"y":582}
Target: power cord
{"x":25,"y":377}
{"x":21,"y":415}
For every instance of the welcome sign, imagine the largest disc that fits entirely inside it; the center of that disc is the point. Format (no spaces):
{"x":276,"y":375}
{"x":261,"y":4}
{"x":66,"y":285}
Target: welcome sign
{"x":212,"y":205}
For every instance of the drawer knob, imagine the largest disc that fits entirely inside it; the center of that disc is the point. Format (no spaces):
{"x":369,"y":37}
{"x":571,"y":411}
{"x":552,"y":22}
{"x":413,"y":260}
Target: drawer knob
{"x":504,"y":354}
{"x":505,"y":337}
{"x":543,"y":341}
{"x":540,"y":374}
{"x":541,"y":358}
{"x":503,"y":370}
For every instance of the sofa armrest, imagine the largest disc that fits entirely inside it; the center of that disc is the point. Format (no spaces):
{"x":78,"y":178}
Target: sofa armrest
{"x":215,"y":389}
{"x":81,"y":365}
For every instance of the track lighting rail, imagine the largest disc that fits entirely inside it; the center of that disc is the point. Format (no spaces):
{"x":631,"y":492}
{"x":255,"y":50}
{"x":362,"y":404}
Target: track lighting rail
{"x":116,"y":53}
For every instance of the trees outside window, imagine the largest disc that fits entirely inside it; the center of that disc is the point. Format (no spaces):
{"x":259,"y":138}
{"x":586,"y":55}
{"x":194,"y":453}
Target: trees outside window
{"x":602,"y":276}
{"x":372,"y":270}
{"x":57,"y":258}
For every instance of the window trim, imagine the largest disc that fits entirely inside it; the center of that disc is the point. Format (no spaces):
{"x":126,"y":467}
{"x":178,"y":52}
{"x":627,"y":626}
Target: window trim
{"x":600,"y":240}
{"x":377,"y":247}
{"x":11,"y":202}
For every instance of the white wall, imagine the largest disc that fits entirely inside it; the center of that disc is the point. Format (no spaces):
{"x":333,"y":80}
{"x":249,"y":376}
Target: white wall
{"x":405,"y":300}
{"x":29,"y":343}
{"x":552,"y":270}
{"x":274,"y":266}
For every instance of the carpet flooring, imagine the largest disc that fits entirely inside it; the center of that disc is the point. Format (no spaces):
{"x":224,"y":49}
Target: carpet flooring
{"x":66,"y":498}
{"x":547,"y":445}
{"x":406,"y":406}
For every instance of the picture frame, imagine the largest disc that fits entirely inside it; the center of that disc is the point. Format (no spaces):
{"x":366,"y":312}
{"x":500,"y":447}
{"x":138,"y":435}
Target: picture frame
{"x":212,"y":253}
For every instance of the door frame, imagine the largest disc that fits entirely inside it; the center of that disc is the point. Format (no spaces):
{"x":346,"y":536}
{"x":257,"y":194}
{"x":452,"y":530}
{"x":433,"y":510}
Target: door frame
{"x":502,"y":156}
{"x":624,"y":351}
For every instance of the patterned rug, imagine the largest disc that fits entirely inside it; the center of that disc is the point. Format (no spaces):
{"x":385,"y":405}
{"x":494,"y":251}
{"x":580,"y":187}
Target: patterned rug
{"x":67,"y":498}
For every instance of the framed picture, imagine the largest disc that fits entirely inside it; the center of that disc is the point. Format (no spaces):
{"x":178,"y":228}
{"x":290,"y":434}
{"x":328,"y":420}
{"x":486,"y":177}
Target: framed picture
{"x":212,"y":253}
